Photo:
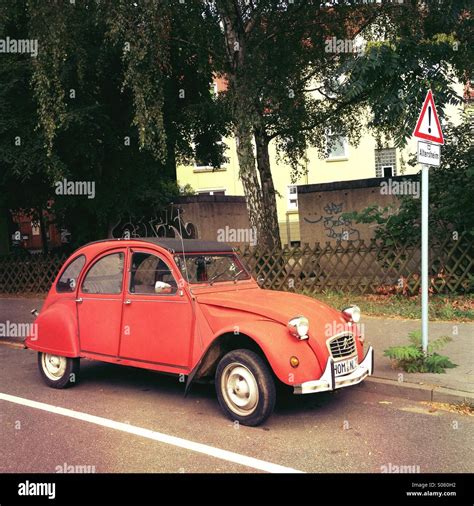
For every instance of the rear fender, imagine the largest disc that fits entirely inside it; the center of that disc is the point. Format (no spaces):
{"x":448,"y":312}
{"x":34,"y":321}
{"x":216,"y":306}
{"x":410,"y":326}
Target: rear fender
{"x":56,"y":330}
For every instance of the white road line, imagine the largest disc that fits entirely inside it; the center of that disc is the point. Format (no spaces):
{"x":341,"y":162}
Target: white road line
{"x":262,"y":465}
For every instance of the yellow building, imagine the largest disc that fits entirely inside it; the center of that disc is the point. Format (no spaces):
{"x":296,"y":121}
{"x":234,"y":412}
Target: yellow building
{"x":344,"y":163}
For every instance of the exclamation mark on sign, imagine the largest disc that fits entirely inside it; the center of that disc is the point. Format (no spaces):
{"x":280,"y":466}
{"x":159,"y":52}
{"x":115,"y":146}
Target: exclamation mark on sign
{"x":429,"y":119}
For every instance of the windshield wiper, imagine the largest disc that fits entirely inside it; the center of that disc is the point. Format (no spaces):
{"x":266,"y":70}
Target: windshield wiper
{"x":218,"y":275}
{"x":234,"y":277}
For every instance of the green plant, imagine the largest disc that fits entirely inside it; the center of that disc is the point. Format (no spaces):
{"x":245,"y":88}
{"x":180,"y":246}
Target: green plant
{"x":411,"y":358}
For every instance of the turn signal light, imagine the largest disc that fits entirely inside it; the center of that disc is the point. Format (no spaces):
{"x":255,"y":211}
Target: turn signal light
{"x":294,"y":362}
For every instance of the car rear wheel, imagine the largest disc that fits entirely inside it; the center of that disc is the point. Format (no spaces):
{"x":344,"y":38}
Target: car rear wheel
{"x":245,"y":387}
{"x":57,"y":371}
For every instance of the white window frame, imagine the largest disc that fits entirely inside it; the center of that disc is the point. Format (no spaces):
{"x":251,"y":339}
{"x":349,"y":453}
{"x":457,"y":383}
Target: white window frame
{"x":388,"y":166}
{"x":385,"y":160}
{"x":345,"y":145}
{"x":204,"y":191}
{"x":291,"y":196}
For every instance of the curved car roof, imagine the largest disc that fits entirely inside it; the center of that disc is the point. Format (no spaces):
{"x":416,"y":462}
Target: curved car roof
{"x":176,"y":245}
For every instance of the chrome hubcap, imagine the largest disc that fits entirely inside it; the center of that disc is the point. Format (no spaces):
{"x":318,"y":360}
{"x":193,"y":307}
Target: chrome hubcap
{"x":239,"y":388}
{"x":53,"y":366}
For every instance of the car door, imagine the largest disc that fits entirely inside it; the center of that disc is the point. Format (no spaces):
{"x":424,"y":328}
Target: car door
{"x":99,"y":304}
{"x":156,"y":327}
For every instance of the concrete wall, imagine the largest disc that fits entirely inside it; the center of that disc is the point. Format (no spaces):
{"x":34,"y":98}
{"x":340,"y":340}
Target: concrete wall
{"x":217,"y":217}
{"x":321,"y":207}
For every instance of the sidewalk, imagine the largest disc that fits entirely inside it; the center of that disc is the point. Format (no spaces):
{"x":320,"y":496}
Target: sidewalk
{"x":456,"y":385}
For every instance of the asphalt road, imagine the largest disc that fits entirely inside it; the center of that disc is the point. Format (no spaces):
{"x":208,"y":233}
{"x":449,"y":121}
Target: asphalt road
{"x":348,"y":431}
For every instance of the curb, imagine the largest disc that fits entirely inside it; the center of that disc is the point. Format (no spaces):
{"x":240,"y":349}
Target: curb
{"x":12,"y":344}
{"x":416,"y":392}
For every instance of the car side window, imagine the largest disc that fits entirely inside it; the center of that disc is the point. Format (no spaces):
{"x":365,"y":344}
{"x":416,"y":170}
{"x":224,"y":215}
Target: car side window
{"x":105,"y":276}
{"x":149,"y":274}
{"x":67,"y":281}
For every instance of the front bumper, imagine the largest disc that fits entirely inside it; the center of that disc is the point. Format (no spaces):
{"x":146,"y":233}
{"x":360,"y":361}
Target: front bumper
{"x":329,"y":381}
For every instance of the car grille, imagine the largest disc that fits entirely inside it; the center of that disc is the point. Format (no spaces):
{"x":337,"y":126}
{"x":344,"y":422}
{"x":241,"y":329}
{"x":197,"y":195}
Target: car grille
{"x":342,"y":346}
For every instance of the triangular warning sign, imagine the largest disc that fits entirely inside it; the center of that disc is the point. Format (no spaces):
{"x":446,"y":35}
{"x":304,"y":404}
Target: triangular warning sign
{"x":427,"y":126}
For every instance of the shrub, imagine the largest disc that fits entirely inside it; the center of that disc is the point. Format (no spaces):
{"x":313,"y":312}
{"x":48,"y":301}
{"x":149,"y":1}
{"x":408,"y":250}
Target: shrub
{"x":411,"y":358}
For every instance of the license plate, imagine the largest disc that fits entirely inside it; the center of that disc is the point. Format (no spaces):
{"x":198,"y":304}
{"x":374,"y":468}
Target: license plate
{"x":345,"y":366}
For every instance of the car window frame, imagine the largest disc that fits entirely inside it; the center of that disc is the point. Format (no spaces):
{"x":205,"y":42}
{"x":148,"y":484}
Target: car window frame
{"x":93,"y":262}
{"x":163,"y":258}
{"x":63,"y":270}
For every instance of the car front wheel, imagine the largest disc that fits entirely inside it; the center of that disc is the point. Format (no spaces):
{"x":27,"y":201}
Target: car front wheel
{"x":57,"y":371}
{"x":245,"y":387}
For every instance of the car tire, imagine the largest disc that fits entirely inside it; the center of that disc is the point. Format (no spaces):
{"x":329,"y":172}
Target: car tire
{"x":57,"y":371}
{"x":245,"y":387}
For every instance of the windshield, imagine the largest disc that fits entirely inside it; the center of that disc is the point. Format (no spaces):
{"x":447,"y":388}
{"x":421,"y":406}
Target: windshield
{"x":211,"y":268}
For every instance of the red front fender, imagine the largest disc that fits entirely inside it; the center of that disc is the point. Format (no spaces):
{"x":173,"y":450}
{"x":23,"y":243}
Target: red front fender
{"x":278,"y":346}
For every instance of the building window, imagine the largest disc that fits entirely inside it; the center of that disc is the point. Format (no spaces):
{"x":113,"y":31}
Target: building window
{"x":385,"y":162}
{"x":292,"y":197}
{"x":218,"y":191}
{"x":336,"y":146}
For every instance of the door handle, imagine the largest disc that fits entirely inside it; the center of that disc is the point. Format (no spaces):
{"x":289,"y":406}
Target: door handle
{"x":79,"y":300}
{"x":127,"y":302}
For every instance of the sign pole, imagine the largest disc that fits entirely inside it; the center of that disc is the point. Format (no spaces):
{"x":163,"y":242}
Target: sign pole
{"x":428,"y":128}
{"x":424,"y":255}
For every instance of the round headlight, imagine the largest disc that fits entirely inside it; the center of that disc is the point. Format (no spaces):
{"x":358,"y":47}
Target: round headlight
{"x":352,"y":313}
{"x":299,"y":327}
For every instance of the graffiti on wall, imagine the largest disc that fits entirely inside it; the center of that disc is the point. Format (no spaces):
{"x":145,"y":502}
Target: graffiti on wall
{"x":170,"y":223}
{"x":335,"y":225}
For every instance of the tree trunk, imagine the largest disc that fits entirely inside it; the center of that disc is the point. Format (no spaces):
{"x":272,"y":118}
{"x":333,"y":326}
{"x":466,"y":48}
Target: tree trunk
{"x":269,"y":207}
{"x":261,"y":206}
{"x":248,"y":176}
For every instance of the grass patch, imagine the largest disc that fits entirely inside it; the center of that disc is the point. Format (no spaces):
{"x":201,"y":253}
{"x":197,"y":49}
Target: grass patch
{"x":441,"y":307}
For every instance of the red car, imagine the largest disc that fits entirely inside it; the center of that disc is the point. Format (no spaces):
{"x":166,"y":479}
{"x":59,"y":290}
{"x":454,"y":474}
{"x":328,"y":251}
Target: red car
{"x":192,"y":309}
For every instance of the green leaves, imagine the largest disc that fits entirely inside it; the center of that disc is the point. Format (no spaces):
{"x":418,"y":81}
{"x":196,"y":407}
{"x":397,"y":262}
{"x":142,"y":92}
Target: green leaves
{"x":411,"y":358}
{"x":438,"y":363}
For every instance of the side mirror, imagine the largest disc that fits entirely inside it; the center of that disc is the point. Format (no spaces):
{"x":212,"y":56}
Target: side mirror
{"x":162,"y":287}
{"x":261,"y":280}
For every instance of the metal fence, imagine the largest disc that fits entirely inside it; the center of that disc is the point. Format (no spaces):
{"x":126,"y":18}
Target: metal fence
{"x":357,"y":267}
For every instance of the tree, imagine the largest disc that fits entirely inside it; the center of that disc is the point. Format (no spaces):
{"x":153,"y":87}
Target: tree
{"x":287,"y":87}
{"x":25,"y":184}
{"x":84,"y":115}
{"x":274,"y":53}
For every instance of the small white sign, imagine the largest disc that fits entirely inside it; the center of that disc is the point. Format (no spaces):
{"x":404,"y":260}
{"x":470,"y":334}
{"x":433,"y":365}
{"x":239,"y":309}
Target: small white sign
{"x":429,"y":154}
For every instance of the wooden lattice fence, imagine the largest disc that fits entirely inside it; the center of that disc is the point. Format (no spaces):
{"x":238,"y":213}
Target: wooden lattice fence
{"x":32,"y":274}
{"x":356,"y":266}
{"x":364,"y":267}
